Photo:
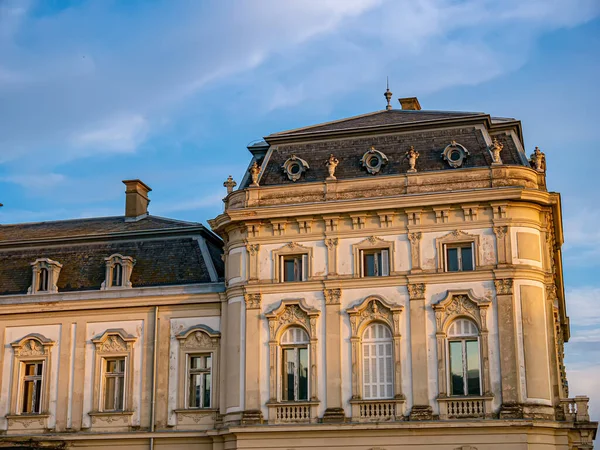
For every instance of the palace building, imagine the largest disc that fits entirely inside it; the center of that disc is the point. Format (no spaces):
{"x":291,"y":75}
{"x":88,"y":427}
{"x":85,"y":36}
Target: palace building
{"x":390,"y":281}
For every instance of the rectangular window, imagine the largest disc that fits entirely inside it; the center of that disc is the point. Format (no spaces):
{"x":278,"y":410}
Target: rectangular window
{"x":43,"y":280}
{"x":295,"y":374}
{"x":32,"y":387}
{"x":375,"y":263}
{"x":117,"y":275}
{"x":199,"y":381}
{"x":114,"y":384}
{"x":294,"y":268}
{"x":464,"y":367}
{"x":459,"y":258}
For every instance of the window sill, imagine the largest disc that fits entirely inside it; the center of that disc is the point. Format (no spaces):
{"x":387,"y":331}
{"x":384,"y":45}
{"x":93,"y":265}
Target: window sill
{"x":196,"y":418}
{"x":293,"y":412}
{"x":378,"y":410}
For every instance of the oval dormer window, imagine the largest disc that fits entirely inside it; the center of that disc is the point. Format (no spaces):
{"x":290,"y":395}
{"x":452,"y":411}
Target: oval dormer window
{"x":455,"y":154}
{"x":294,"y":167}
{"x":373,"y":160}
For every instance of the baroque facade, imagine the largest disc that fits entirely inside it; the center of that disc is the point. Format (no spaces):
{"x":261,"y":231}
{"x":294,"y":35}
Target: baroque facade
{"x":387,"y":281}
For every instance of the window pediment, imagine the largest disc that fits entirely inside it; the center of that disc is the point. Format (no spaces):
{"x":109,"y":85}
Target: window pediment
{"x":114,"y":341}
{"x":198,"y":337}
{"x":461,"y":303}
{"x":373,"y":309}
{"x":33,"y":344}
{"x":292,"y":312}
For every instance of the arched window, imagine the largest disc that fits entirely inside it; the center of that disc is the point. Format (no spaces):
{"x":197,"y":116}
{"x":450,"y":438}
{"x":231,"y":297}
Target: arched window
{"x":117,"y":275}
{"x":464,"y":361}
{"x":43,"y":280}
{"x":295,"y":365}
{"x":378,"y":360}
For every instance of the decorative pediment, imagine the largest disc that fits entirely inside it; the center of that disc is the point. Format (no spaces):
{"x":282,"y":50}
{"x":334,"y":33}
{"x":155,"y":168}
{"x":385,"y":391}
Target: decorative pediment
{"x":461,"y":303}
{"x":45,"y":276}
{"x":292,"y":312}
{"x":373,"y":309}
{"x":374,"y":242}
{"x":458,"y":236}
{"x":293,"y":247}
{"x":114,"y":341}
{"x":33,"y":344}
{"x":198,"y":337}
{"x":118,"y":279}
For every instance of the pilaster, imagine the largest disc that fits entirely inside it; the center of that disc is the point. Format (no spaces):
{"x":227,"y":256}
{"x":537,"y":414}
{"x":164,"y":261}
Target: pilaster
{"x":332,"y":246}
{"x":252,"y":412}
{"x":253,"y":251}
{"x":421,"y":409}
{"x":334,"y":411}
{"x":415,"y":251}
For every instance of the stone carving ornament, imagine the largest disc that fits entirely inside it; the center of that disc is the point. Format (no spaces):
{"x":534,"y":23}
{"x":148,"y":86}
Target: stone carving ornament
{"x":114,"y":341}
{"x":373,"y":160}
{"x":32,"y":345}
{"x":198,"y":337}
{"x":331,"y":164}
{"x":455,"y":154}
{"x":538,"y":160}
{"x":412,"y":157}
{"x":495,"y":149}
{"x":254,"y":172}
{"x":294,"y":167}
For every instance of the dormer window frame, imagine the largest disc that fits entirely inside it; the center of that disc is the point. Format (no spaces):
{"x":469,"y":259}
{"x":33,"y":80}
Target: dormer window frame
{"x":45,"y":273}
{"x":115,"y":279}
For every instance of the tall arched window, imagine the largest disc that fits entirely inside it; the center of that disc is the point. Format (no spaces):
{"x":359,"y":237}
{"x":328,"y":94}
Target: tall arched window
{"x":295,"y":365}
{"x":464,"y":361}
{"x":378,"y":360}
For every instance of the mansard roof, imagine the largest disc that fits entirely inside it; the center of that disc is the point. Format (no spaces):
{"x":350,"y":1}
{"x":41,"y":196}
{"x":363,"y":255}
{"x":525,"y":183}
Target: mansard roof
{"x":166,"y":252}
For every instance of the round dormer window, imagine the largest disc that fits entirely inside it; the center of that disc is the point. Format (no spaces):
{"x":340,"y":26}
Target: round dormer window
{"x":373,"y":160}
{"x":294,"y":167}
{"x":455,"y":154}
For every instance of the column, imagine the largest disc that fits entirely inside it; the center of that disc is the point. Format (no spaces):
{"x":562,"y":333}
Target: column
{"x":421,"y":409}
{"x":334,"y":411}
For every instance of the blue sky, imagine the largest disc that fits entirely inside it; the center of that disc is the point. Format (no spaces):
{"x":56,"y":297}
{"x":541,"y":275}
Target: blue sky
{"x":171,"y":92}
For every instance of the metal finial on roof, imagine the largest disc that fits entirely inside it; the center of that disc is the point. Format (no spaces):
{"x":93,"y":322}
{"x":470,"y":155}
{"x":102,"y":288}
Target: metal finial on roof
{"x":388,"y":94}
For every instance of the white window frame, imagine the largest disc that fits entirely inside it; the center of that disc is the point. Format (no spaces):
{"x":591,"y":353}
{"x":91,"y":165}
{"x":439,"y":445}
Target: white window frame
{"x":388,"y":363}
{"x":373,"y":244}
{"x":35,"y":378}
{"x":463,"y":338}
{"x":190,"y":372}
{"x":459,"y":246}
{"x":292,"y":249}
{"x":127,"y":263}
{"x":452,"y":239}
{"x":385,"y":261}
{"x":302,"y":257}
{"x":296,"y":346}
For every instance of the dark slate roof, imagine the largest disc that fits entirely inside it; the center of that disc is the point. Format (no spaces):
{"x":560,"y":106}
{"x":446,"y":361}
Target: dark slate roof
{"x":430,"y":144}
{"x":85,"y":227}
{"x":166,"y":252}
{"x":379,"y":118}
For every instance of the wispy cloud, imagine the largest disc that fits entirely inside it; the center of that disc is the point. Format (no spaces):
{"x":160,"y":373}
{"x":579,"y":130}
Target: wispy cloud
{"x":36,"y":180}
{"x":120,"y":134}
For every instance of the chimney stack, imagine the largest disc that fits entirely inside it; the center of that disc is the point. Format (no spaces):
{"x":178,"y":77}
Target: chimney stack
{"x":136,"y":200}
{"x":410,"y":104}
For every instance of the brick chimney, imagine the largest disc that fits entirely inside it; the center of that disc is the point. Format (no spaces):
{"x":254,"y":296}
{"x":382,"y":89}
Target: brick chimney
{"x":136,"y":199}
{"x":410,"y":103}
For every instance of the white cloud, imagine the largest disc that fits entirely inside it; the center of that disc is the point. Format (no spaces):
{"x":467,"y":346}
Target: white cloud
{"x":586,"y":381}
{"x":35,"y":181}
{"x":122,"y":133}
{"x":582,"y":306}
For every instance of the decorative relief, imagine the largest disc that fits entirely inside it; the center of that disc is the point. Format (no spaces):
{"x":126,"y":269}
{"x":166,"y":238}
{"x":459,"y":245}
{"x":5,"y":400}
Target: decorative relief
{"x":331,"y":243}
{"x":198,"y":337}
{"x":32,"y":345}
{"x":470,"y":213}
{"x":114,"y":341}
{"x":504,"y":286}
{"x":373,"y":160}
{"x":305,"y":225}
{"x":500,"y":232}
{"x":416,"y":291}
{"x":331,"y":164}
{"x":441,"y":215}
{"x":455,"y":154}
{"x":294,"y":167}
{"x":253,"y":301}
{"x":253,"y":249}
{"x":415,"y":237}
{"x":386,"y":220}
{"x":332,"y":296}
{"x":358,"y":221}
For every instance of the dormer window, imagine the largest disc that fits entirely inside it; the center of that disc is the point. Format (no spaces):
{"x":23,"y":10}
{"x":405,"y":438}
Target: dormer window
{"x":118,"y":272}
{"x":45,"y":276}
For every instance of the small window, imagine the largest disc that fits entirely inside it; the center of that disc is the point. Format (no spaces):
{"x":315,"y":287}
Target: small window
{"x":294,"y":370}
{"x":375,"y":263}
{"x":43,"y":280}
{"x":117,"y":275}
{"x":293,"y":268}
{"x":459,"y":258}
{"x":114,"y":384}
{"x":32,"y":387}
{"x":199,"y":381}
{"x":463,"y":346}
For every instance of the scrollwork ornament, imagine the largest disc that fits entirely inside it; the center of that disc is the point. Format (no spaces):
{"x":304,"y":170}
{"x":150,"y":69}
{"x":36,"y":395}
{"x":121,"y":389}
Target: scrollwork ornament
{"x":253,"y":249}
{"x":415,"y":237}
{"x":500,"y":232}
{"x":331,"y":243}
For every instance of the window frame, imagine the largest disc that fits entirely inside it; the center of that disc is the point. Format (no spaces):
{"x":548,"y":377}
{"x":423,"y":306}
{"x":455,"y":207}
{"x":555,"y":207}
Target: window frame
{"x":373,"y":244}
{"x":32,"y":348}
{"x":455,"y":239}
{"x":292,"y":249}
{"x":51,"y":269}
{"x":463,"y":340}
{"x":113,"y":344}
{"x":376,"y":342}
{"x":296,"y":346}
{"x":197,"y":340}
{"x":202,"y":372}
{"x":127,"y":263}
{"x":459,"y":260}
